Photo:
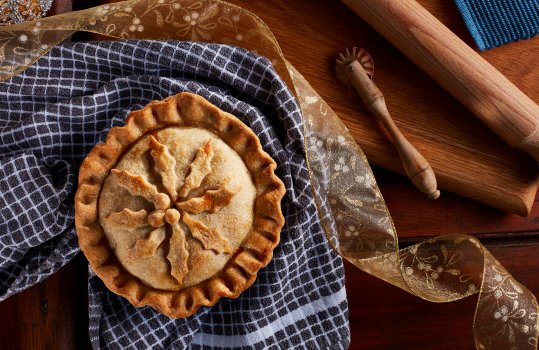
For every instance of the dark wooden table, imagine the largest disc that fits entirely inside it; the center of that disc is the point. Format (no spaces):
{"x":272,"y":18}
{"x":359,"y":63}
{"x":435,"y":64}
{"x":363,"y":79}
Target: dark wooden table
{"x":53,"y":314}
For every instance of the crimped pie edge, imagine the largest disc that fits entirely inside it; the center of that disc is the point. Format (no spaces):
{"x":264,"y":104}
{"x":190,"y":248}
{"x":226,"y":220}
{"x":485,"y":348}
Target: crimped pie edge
{"x":255,"y":252}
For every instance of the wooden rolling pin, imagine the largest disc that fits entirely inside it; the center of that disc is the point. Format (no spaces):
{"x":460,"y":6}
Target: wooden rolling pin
{"x":456,"y":67}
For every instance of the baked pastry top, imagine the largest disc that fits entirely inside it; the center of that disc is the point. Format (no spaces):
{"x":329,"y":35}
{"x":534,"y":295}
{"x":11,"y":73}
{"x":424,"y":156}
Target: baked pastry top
{"x":179,"y":207}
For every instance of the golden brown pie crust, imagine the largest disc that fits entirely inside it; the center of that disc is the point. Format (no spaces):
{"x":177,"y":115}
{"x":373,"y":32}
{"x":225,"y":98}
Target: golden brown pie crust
{"x":253,"y":253}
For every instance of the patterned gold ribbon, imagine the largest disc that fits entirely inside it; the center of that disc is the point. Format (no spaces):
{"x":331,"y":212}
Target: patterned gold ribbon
{"x":352,"y":210}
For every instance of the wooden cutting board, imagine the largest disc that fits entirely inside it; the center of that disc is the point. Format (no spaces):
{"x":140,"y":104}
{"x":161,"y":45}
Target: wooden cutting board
{"x":468,"y":158}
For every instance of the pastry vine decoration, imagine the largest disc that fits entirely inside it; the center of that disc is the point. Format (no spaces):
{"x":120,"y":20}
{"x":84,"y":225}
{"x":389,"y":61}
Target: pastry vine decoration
{"x":173,"y":206}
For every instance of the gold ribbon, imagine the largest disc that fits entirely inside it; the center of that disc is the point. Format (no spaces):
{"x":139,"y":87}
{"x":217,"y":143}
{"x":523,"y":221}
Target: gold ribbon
{"x":355,"y":218}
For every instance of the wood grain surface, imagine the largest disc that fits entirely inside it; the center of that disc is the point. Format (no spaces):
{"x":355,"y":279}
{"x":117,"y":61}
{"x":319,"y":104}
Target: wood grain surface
{"x":467,"y":157}
{"x":381,"y":318}
{"x":457,"y":67}
{"x":53,"y":314}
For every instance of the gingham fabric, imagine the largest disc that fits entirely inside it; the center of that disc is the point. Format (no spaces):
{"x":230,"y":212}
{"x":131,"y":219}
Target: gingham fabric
{"x":51,"y":116}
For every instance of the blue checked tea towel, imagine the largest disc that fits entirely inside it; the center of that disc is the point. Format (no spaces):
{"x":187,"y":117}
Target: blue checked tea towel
{"x":496,"y":22}
{"x":53,"y":113}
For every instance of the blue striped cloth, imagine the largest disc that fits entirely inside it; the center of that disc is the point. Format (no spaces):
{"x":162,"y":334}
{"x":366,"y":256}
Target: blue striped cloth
{"x":496,"y":22}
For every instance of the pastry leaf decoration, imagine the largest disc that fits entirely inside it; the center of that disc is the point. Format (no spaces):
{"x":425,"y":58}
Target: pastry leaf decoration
{"x":209,"y":237}
{"x":178,"y":256}
{"x":212,"y":201}
{"x":164,"y":165}
{"x":198,"y":170}
{"x":135,"y":184}
{"x":172,"y":207}
{"x":146,"y":247}
{"x":128,"y":218}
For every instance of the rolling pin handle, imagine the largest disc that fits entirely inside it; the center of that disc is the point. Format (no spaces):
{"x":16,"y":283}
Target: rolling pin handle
{"x":531,"y":144}
{"x":415,"y":165}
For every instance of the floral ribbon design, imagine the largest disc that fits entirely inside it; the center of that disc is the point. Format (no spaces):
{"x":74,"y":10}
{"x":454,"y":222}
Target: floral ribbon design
{"x":356,"y":220}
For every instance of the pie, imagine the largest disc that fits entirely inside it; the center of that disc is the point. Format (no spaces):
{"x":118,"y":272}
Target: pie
{"x":179,"y":207}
